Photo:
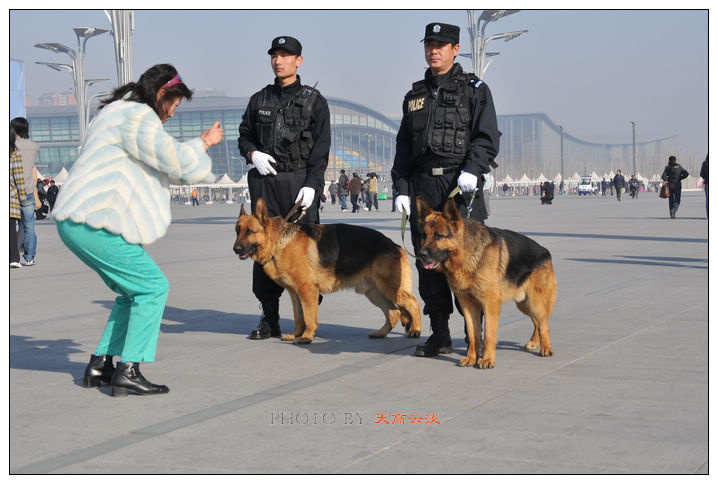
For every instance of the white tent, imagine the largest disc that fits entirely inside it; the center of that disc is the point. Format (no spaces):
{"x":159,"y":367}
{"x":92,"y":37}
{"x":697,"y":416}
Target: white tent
{"x":557,"y":178}
{"x":225,"y":180}
{"x":507,"y":179}
{"x":541,"y":178}
{"x":61,"y":177}
{"x":524,"y":180}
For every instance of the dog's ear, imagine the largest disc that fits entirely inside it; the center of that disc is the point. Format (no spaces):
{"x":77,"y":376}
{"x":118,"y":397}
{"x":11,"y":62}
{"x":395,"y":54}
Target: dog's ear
{"x":450,"y":210}
{"x":260,"y":211}
{"x":241,"y":211}
{"x":422,"y":208}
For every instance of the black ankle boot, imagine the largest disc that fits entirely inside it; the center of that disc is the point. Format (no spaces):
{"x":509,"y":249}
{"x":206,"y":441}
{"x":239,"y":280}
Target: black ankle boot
{"x":268,"y":322}
{"x":128,"y":377}
{"x":99,"y":369}
{"x":439,"y":343}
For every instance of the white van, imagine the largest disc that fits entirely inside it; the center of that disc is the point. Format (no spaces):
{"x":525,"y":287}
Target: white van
{"x":585,"y":187}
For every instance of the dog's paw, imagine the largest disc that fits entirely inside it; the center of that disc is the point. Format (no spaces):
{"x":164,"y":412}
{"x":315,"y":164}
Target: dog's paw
{"x":547,"y":351}
{"x":485,"y":363}
{"x":303,"y":341}
{"x":532,"y":346}
{"x":466,"y":361}
{"x":288,"y":337}
{"x":413,"y":333}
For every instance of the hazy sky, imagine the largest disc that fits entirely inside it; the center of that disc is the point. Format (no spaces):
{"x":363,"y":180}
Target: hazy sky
{"x":592,"y":71}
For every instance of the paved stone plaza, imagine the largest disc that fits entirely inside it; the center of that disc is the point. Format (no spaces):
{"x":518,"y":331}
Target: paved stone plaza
{"x":625,"y":392}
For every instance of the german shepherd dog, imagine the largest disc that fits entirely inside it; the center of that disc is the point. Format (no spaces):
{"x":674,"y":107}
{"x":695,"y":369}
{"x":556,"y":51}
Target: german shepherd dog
{"x":313,"y":259}
{"x":487,"y":267}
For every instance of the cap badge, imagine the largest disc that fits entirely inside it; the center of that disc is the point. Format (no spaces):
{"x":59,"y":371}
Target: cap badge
{"x":281,"y":41}
{"x":437,"y":28}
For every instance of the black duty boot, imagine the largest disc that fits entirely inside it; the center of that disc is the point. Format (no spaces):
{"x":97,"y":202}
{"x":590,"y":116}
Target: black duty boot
{"x":128,"y":377}
{"x":268,"y":322}
{"x":439,"y":343}
{"x":99,"y":369}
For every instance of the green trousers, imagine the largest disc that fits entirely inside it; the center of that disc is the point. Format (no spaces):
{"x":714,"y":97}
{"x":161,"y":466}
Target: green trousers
{"x":127,"y":269}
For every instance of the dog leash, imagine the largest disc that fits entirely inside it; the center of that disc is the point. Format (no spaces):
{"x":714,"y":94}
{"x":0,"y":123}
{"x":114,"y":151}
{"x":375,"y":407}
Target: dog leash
{"x":294,"y":211}
{"x":405,"y":217}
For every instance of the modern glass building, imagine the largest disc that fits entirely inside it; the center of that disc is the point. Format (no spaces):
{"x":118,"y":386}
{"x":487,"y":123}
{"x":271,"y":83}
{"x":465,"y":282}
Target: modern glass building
{"x":532,"y":144}
{"x":364,"y":140}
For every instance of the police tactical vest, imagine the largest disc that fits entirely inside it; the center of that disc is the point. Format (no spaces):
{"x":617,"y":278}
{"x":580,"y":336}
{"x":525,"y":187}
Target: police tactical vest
{"x":441,"y":120}
{"x":285,"y":131}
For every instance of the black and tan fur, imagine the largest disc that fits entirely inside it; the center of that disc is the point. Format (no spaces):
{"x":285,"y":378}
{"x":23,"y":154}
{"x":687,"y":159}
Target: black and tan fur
{"x":487,"y":267}
{"x":309,"y":260}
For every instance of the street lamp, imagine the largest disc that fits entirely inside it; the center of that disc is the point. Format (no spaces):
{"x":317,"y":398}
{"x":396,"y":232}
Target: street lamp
{"x":77,"y":70}
{"x":634,"y":146}
{"x":123,"y":24}
{"x":477,"y":31}
{"x":89,"y":82}
{"x":562,"y":171}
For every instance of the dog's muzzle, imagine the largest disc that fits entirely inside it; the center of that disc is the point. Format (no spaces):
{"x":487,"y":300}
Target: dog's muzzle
{"x":430,"y":261}
{"x":245,"y":252}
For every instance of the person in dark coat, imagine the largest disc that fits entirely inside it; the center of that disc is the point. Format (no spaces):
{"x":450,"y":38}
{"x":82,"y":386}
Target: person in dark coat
{"x":673,"y":174}
{"x":285,"y":134}
{"x":355,"y":186}
{"x":432,"y":158}
{"x":547,"y":189}
{"x":52,"y":194}
{"x":620,"y":183}
{"x":704,"y":175}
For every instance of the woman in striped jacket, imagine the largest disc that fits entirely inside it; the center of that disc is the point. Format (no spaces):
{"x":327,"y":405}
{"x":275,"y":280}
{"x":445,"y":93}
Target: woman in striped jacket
{"x":17,"y":196}
{"x":115,"y":200}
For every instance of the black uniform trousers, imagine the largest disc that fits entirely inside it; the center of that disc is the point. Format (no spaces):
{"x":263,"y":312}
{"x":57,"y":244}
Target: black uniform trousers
{"x":433,"y":286}
{"x":278,"y":192}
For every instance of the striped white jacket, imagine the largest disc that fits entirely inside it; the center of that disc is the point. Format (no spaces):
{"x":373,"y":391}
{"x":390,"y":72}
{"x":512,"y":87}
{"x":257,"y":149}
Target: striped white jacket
{"x":121,"y":180}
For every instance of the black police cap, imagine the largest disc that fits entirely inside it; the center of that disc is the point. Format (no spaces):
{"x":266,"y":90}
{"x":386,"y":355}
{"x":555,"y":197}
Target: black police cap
{"x":442,"y":33}
{"x":290,"y":44}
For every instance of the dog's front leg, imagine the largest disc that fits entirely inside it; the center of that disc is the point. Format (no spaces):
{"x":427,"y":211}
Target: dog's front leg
{"x":309,"y":300}
{"x":472,"y":315}
{"x":492,"y":312}
{"x":298,"y":317}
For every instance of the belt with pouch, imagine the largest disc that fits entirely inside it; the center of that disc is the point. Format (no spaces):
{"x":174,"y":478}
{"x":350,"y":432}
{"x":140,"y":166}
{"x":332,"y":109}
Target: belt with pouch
{"x":282,"y":167}
{"x":441,"y":170}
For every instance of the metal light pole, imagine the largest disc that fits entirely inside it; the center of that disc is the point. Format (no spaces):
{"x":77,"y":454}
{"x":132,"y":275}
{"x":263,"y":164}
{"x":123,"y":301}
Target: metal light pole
{"x":96,"y":95}
{"x":562,"y":171}
{"x":123,"y":24}
{"x":477,"y":31}
{"x":634,"y":146}
{"x":77,"y":70}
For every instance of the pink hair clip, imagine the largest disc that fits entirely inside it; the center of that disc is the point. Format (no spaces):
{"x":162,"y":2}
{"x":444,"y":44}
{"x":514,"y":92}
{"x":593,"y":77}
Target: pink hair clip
{"x":175,"y":80}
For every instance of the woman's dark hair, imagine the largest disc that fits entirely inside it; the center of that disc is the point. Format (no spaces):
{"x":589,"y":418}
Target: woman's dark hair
{"x":21,"y":127}
{"x":671,"y":160}
{"x":146,"y":88}
{"x":13,"y":135}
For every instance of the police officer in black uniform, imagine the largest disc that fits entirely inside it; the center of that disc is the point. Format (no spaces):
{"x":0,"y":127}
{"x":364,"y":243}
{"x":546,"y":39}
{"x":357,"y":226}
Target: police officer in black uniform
{"x":285,"y":134}
{"x":448,"y":136}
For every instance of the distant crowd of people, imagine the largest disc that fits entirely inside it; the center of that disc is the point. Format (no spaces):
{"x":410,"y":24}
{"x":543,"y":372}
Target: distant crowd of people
{"x":362,"y":193}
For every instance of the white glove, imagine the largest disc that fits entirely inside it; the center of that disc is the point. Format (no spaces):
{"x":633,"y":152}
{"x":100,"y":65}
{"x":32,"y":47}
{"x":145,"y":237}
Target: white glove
{"x":467,"y":181}
{"x":402,"y":203}
{"x":306,"y":196}
{"x":262,"y":162}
